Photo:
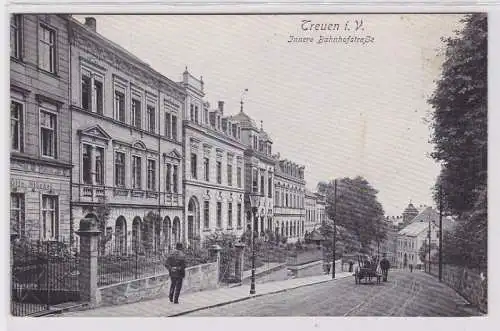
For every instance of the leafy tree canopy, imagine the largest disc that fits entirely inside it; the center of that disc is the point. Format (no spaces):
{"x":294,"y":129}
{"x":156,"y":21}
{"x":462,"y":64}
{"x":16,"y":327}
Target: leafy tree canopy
{"x":459,"y":121}
{"x":357,"y":208}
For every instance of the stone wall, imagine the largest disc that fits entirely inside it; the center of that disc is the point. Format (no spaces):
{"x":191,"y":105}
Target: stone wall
{"x":280,"y":272}
{"x":466,"y":282}
{"x":314,"y":269}
{"x":198,"y":278}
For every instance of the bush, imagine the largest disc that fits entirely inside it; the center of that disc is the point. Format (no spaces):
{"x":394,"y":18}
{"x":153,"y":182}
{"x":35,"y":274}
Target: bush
{"x":196,"y":256}
{"x":26,"y":251}
{"x":284,"y":240}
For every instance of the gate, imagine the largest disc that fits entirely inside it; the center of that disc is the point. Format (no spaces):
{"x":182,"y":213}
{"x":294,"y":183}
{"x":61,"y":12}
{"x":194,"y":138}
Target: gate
{"x":43,"y":274}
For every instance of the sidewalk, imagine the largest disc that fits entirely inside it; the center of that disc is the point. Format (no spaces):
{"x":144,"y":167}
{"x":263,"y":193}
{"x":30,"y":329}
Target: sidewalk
{"x":264,"y":268}
{"x":200,"y":300}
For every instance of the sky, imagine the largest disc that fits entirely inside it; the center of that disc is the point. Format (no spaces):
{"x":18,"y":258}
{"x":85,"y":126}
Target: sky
{"x":341,"y":110}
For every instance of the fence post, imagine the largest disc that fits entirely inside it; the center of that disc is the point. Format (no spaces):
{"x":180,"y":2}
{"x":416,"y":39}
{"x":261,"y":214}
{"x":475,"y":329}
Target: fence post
{"x":215,"y":249}
{"x":87,"y":281}
{"x":240,"y":249}
{"x":136,"y":264}
{"x":47,"y":275}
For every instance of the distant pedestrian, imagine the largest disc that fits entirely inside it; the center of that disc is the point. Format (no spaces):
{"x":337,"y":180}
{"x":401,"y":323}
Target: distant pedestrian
{"x":351,"y":264}
{"x":411,"y":267}
{"x":384,"y":266}
{"x":176,"y":265}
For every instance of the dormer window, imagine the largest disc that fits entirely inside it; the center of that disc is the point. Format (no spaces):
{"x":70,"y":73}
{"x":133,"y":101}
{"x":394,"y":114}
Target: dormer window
{"x":191,"y":117}
{"x":234,"y":130}
{"x":206,"y":116}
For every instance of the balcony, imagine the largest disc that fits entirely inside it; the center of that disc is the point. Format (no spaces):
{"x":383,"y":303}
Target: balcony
{"x":122,"y":195}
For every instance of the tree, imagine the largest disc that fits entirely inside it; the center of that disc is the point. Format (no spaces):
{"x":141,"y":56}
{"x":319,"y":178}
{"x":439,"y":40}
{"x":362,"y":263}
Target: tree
{"x":424,"y":253}
{"x":459,"y":125}
{"x":357,"y":208}
{"x":459,"y":121}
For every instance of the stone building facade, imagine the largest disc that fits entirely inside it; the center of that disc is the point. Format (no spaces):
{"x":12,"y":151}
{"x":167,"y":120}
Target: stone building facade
{"x":214,"y":162}
{"x":40,"y":127}
{"x":259,"y":174}
{"x":320,"y":207}
{"x":412,"y":237}
{"x":289,"y":200}
{"x":310,"y":211}
{"x":126,"y":144}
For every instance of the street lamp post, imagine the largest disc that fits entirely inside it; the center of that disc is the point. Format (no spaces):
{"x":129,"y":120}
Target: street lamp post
{"x":254,"y":201}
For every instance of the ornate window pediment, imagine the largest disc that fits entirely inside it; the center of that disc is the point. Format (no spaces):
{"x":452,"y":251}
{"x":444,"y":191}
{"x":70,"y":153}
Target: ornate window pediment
{"x":139,"y":145}
{"x":95,"y":132}
{"x":173,"y":154}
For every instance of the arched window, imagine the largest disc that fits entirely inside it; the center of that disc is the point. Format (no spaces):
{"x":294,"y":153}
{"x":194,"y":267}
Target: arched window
{"x":120,"y":235}
{"x":167,"y":234}
{"x":176,"y":230}
{"x":136,"y":234}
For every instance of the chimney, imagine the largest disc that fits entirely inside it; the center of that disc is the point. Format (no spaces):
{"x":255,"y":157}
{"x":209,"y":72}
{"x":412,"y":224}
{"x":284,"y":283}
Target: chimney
{"x":221,"y":106}
{"x":90,"y":22}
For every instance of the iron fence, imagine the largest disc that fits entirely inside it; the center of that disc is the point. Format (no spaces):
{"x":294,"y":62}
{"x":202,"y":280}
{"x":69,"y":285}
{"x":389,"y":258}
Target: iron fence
{"x":43,"y":274}
{"x":117,"y":265}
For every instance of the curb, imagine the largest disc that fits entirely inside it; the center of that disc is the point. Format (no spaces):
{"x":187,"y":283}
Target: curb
{"x":57,"y":311}
{"x":249,"y":297}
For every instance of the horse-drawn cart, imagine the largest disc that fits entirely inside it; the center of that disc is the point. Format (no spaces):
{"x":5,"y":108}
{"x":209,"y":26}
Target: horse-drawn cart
{"x":367,"y":270}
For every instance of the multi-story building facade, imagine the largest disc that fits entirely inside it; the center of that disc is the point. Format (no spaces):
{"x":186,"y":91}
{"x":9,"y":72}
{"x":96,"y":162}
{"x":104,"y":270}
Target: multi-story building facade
{"x":259,"y":173}
{"x":289,"y":200}
{"x":214,"y":178}
{"x":413,"y":236}
{"x":320,"y":208}
{"x":40,"y":126}
{"x":310,"y":211}
{"x":126,"y":143}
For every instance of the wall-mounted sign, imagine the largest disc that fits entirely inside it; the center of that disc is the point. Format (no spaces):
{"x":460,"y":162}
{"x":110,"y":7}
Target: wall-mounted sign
{"x":30,"y":184}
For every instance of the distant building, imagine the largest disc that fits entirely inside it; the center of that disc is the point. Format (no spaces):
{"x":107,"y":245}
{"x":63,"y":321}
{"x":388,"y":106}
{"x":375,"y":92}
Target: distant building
{"x":40,"y":127}
{"x":413,"y":236}
{"x":409,"y":213}
{"x":310,"y":212}
{"x":320,"y":208}
{"x":289,"y":206}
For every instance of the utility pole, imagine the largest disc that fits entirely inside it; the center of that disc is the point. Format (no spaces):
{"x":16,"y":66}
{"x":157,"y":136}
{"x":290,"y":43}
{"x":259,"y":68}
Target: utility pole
{"x":334,"y":226}
{"x":440,"y":232}
{"x":429,"y":235}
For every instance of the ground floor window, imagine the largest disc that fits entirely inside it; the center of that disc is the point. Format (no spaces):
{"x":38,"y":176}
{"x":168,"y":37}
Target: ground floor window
{"x":50,"y":219}
{"x":17,"y":222}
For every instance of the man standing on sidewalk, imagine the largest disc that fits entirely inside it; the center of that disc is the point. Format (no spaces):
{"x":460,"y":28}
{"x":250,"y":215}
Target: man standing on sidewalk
{"x":176,"y":265}
{"x":384,"y":265}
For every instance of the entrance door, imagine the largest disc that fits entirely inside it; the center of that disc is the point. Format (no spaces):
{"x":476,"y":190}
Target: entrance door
{"x":190,"y":227}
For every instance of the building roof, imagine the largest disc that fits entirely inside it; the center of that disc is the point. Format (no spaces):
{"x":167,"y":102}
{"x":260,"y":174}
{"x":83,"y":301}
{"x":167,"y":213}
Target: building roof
{"x":246,"y":121}
{"x":414,"y":229}
{"x":425,"y":215}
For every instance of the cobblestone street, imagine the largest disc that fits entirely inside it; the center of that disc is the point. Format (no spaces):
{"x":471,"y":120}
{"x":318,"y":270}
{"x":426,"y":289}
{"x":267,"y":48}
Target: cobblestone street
{"x":406,"y":294}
